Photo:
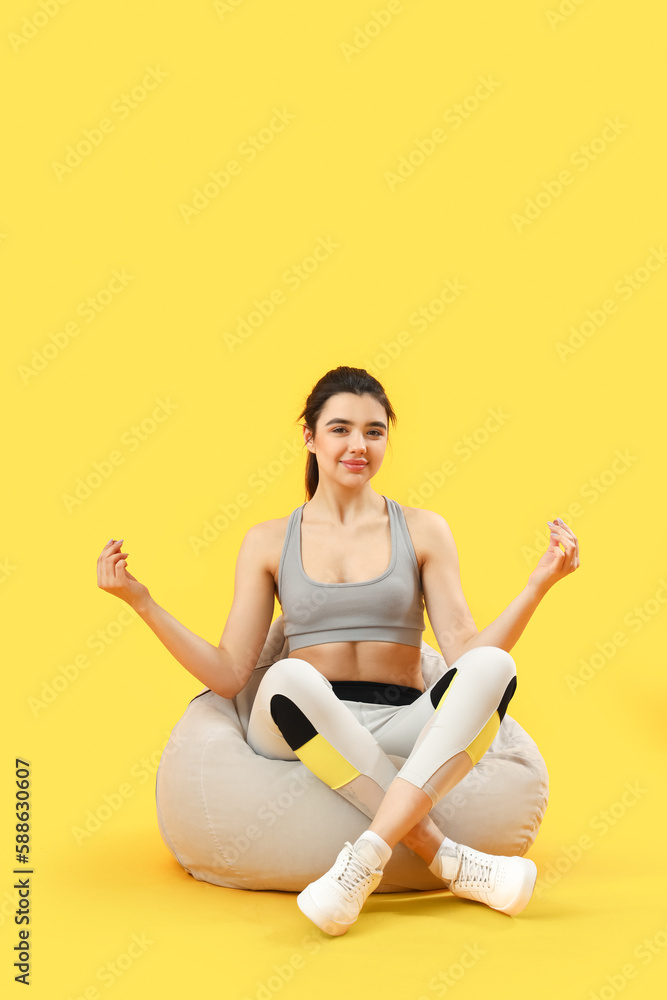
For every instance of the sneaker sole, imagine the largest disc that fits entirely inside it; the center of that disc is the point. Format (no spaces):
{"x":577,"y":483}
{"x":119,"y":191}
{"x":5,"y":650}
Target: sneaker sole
{"x":310,"y":909}
{"x":524,"y":893}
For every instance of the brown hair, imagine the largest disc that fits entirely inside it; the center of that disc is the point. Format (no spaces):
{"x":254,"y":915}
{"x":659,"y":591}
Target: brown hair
{"x":341,"y":379}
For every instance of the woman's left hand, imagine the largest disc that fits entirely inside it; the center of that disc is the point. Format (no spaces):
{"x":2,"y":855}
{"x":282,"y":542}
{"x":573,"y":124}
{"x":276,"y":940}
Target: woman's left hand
{"x":556,"y":562}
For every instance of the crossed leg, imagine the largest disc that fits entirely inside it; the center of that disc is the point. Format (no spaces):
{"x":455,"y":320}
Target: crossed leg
{"x":296,"y":715}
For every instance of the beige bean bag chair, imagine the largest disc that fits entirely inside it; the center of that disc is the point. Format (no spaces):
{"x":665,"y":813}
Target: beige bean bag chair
{"x":237,"y":819}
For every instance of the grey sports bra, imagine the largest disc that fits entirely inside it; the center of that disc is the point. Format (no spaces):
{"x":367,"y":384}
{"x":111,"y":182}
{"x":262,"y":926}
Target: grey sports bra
{"x":388,"y":608}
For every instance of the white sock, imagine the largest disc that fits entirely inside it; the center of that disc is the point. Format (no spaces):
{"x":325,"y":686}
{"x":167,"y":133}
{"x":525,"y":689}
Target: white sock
{"x":373,"y":849}
{"x":445,"y":864}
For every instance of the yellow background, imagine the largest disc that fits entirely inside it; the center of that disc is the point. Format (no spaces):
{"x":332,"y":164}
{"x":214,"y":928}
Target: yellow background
{"x":362,"y":96}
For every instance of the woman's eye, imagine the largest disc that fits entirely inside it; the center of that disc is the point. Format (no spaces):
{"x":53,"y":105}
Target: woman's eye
{"x":374,"y":432}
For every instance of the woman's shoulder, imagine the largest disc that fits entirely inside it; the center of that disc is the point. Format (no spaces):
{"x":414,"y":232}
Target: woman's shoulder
{"x":273,"y":527}
{"x":421,"y":517}
{"x":425,"y":527}
{"x":270,"y":536}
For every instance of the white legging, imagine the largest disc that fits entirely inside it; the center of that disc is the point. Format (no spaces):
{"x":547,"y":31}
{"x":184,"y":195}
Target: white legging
{"x":297,"y":715}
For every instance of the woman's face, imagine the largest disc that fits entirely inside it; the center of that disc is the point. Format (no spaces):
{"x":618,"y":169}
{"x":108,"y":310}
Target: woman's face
{"x":350,"y":429}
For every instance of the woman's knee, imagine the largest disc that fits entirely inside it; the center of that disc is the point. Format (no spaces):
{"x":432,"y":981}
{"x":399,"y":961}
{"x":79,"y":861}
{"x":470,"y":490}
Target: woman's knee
{"x":494,"y":668}
{"x":297,"y":696}
{"x":290,"y":687}
{"x":294,"y":679}
{"x":490,"y":660}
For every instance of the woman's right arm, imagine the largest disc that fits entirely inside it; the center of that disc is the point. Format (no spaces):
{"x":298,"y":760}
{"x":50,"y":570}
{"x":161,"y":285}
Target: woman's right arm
{"x":224,"y":668}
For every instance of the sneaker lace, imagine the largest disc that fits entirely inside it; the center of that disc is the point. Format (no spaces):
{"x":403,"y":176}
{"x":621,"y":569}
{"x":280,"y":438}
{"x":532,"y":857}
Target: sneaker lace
{"x":353,"y":873}
{"x":475,"y":869}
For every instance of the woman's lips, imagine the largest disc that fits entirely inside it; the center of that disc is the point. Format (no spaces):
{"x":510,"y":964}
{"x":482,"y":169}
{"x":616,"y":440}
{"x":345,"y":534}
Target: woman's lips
{"x":356,"y":465}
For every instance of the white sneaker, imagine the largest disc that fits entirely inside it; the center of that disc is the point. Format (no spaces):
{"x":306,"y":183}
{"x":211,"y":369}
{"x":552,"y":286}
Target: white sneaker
{"x":503,"y":883}
{"x":334,"y":901}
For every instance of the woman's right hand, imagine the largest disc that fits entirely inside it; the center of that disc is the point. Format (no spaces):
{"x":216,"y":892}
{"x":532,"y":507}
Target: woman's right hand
{"x":114,"y":577}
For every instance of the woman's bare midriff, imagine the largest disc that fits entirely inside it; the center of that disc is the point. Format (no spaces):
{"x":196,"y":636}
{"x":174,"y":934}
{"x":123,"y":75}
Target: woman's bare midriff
{"x":385,"y":662}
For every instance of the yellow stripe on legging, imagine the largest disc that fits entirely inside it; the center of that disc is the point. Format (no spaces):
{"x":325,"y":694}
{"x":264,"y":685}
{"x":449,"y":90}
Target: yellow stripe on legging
{"x":325,"y":762}
{"x":447,"y":690}
{"x":484,"y":739}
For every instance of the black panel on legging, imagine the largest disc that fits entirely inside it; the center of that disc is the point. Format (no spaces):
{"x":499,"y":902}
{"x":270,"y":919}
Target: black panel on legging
{"x":506,"y":698}
{"x":291,"y":722}
{"x":441,"y":686}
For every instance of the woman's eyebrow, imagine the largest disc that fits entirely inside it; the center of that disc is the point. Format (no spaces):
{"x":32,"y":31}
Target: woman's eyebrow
{"x":370,"y":423}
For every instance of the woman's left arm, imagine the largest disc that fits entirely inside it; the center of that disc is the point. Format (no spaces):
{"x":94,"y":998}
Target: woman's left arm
{"x":449,"y":613}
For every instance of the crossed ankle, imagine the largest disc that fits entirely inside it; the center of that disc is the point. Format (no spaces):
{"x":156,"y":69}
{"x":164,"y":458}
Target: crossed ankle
{"x":380,"y":848}
{"x":446,"y":861}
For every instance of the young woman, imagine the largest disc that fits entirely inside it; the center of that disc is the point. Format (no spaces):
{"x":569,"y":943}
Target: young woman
{"x":353,"y":571}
